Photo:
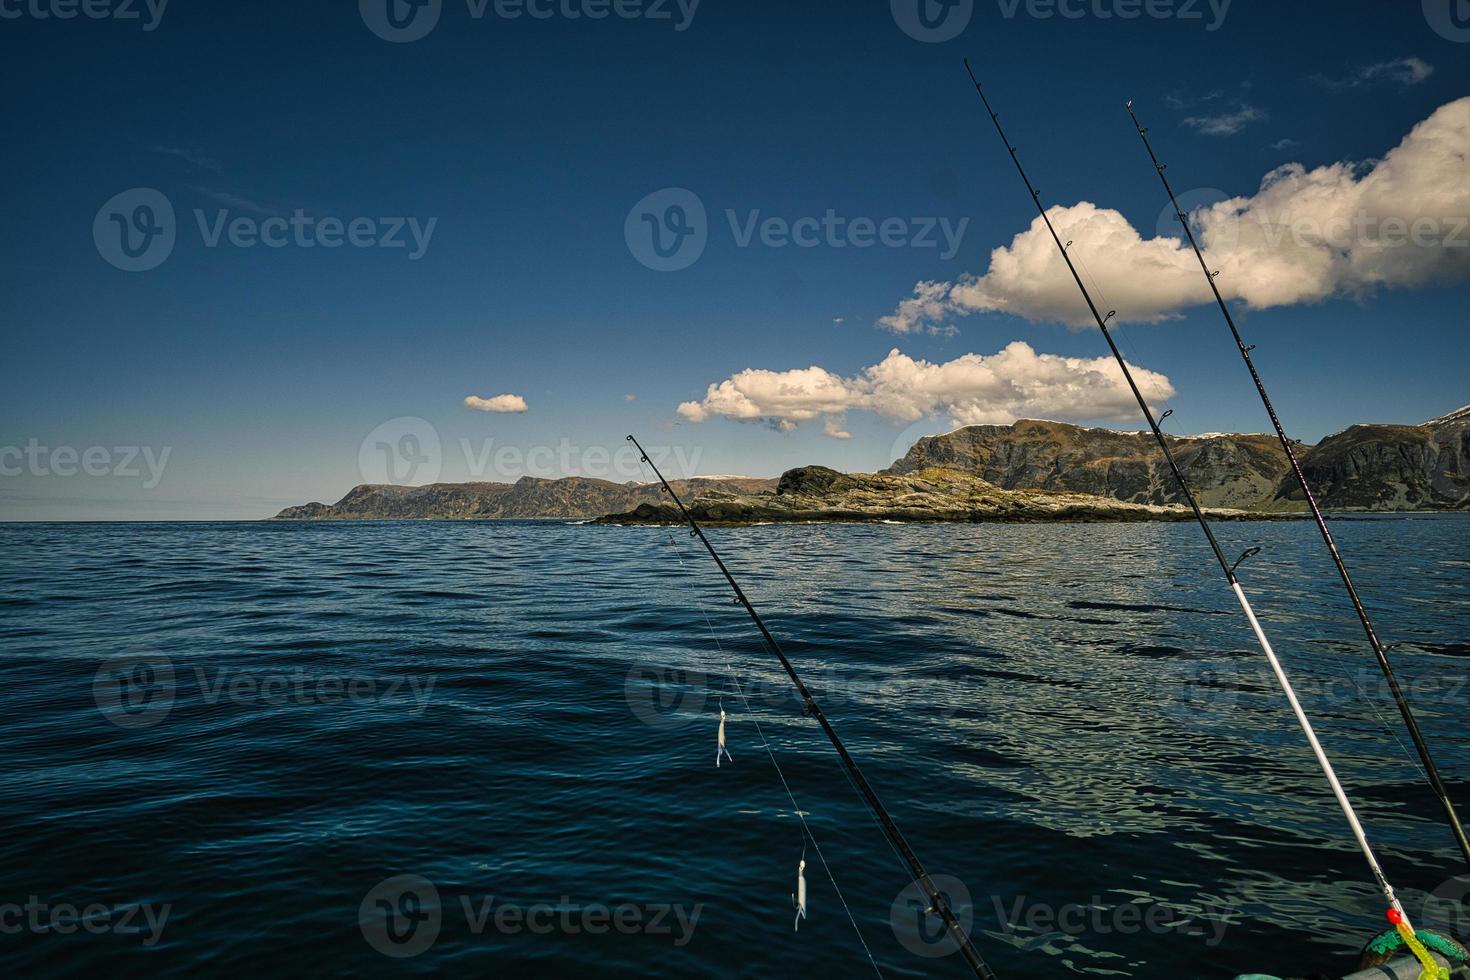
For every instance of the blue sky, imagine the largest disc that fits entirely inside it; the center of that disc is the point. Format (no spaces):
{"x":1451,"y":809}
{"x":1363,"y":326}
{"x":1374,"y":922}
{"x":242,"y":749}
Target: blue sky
{"x":526,"y":142}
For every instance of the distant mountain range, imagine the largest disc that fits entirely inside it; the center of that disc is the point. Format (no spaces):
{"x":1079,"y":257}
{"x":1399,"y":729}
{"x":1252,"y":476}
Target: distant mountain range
{"x":1030,"y":470}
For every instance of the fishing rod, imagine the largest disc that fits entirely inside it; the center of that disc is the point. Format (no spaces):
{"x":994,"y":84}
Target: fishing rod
{"x":1380,"y":652}
{"x":937,"y":903}
{"x":1397,"y":914}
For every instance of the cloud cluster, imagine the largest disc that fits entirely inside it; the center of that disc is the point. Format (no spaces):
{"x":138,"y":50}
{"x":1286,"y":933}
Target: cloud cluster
{"x":972,"y":389}
{"x":1306,"y":235}
{"x":499,"y":403}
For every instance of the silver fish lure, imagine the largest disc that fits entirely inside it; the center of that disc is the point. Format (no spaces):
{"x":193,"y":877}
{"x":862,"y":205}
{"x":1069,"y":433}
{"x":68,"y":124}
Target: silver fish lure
{"x":799,"y":899}
{"x":720,"y":742}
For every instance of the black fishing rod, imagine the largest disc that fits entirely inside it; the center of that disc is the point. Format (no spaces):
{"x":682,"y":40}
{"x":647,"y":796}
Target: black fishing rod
{"x":937,"y":904}
{"x":1380,"y":653}
{"x":1395,"y":906}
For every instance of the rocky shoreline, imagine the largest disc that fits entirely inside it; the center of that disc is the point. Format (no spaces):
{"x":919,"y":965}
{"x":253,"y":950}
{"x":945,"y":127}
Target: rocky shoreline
{"x":932,"y":495}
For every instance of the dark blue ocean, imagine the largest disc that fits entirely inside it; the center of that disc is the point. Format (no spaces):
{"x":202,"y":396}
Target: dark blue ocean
{"x":488,"y":748}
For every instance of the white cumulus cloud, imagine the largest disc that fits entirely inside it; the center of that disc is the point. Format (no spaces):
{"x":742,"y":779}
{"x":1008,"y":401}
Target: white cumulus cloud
{"x":1344,"y":229}
{"x":499,"y":403}
{"x":972,"y":389}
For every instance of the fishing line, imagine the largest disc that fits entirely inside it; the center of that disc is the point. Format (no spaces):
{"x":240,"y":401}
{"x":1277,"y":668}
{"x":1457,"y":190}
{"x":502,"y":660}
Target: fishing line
{"x":921,"y":877}
{"x":1396,"y":909}
{"x":807,"y":834}
{"x":1380,"y":652}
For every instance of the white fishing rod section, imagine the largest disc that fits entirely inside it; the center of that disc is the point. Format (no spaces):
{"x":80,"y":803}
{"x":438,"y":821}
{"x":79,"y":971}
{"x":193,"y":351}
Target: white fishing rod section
{"x":1301,"y":716}
{"x":1380,"y":652}
{"x":937,"y":902}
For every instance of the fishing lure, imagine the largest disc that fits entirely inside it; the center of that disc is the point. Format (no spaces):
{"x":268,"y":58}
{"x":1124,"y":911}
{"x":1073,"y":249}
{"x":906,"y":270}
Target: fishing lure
{"x":799,"y":899}
{"x":720,"y":742}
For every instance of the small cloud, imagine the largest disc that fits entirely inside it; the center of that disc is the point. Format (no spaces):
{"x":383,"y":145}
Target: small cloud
{"x":838,"y":321}
{"x":630,"y":398}
{"x":1401,"y":71}
{"x":1226,"y":123}
{"x":922,"y":312}
{"x":833,"y":428}
{"x":499,"y":403}
{"x":1285,"y":144}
